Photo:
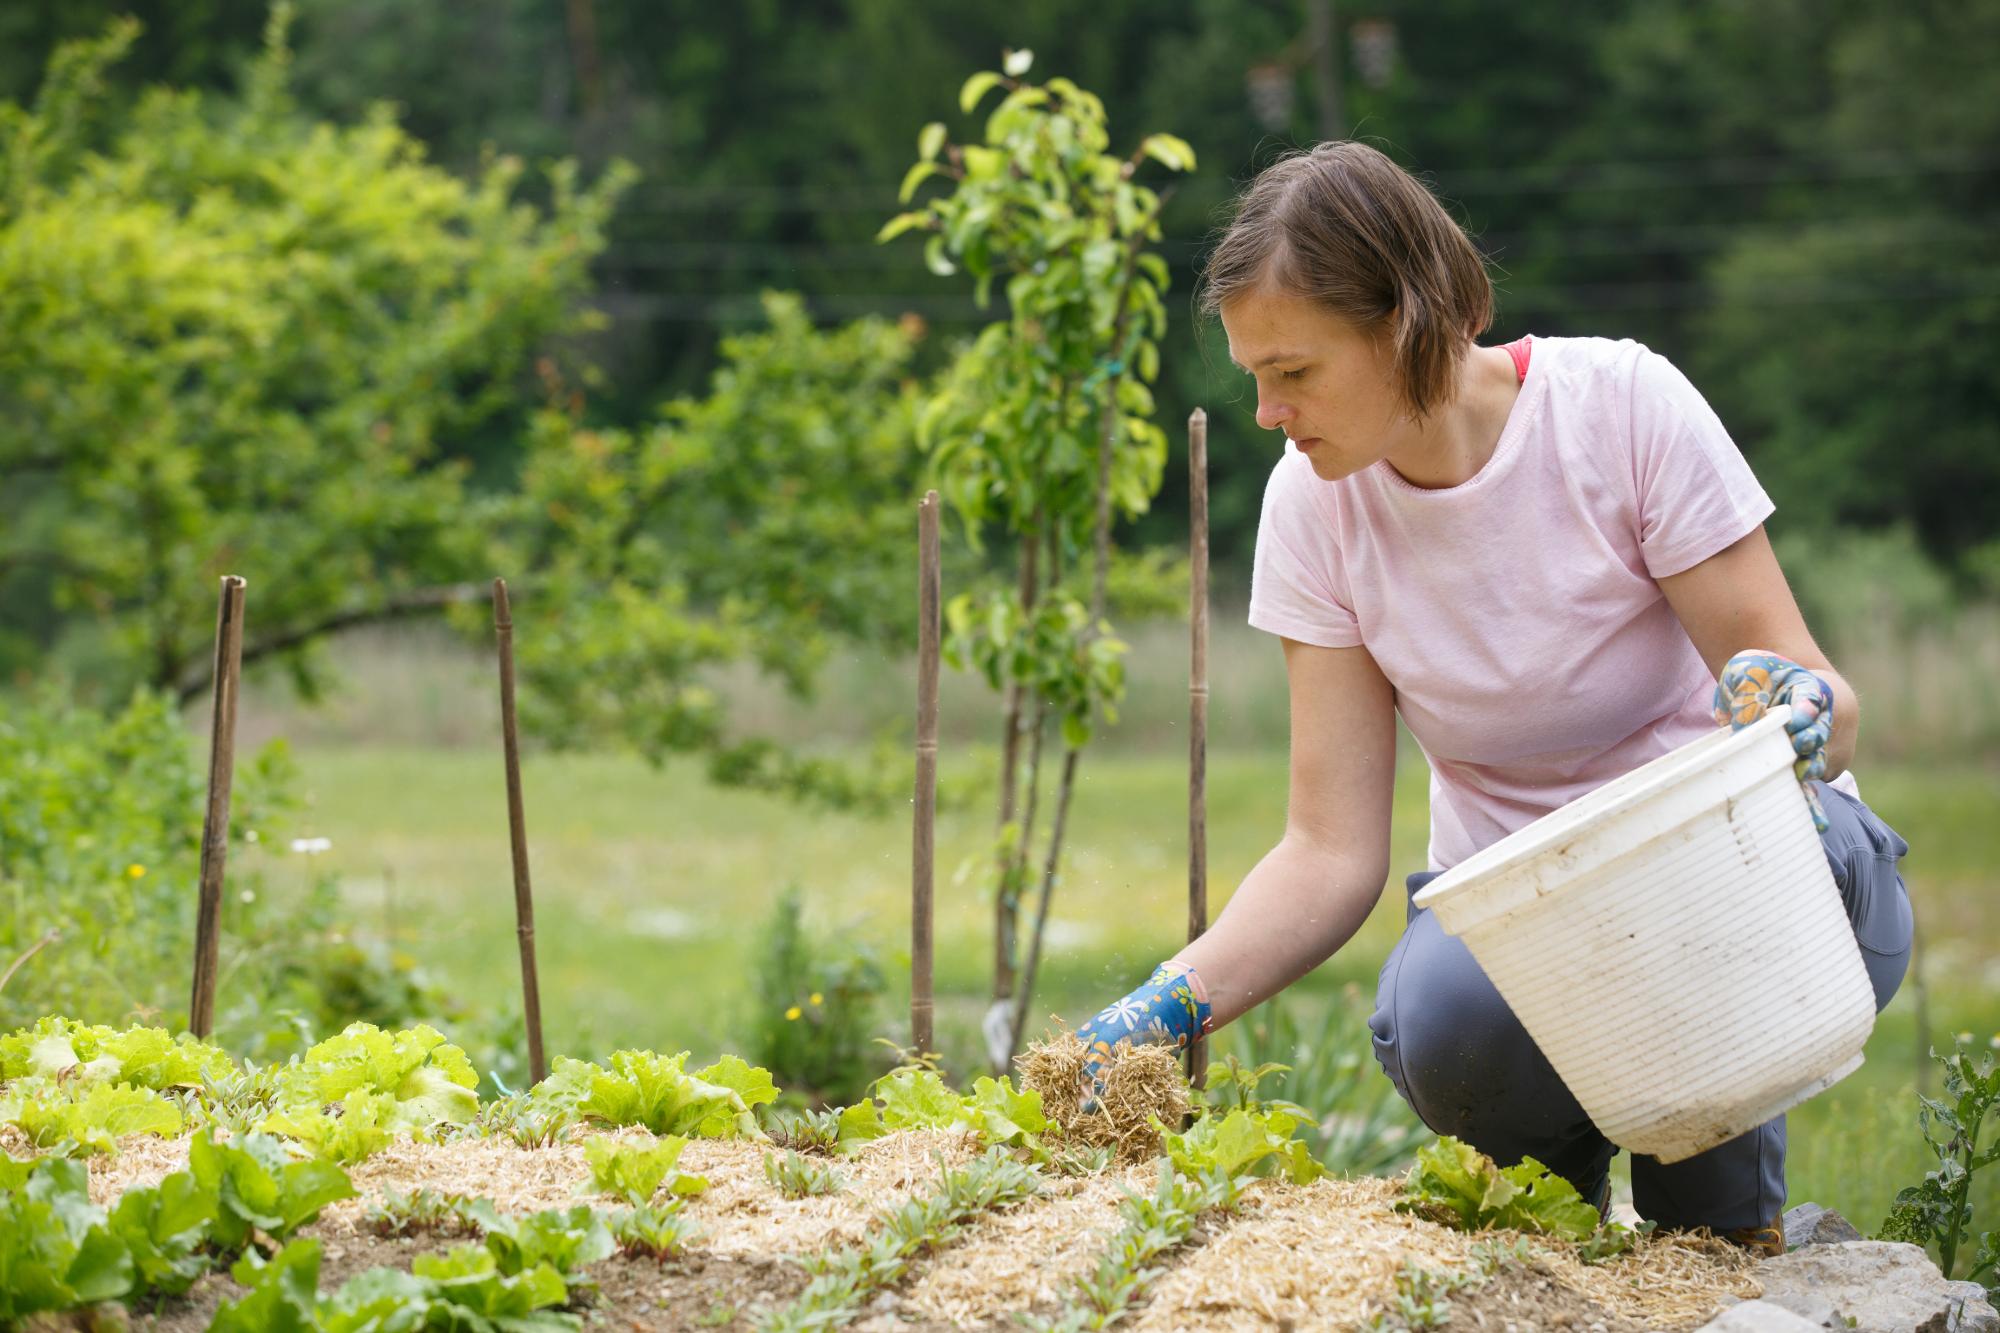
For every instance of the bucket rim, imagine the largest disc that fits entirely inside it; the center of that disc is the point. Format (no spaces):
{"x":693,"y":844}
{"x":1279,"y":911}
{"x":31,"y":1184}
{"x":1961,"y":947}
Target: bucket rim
{"x":1618,"y":797}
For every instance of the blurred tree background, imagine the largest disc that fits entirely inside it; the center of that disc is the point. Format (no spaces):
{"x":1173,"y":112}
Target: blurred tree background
{"x":1793,"y":200}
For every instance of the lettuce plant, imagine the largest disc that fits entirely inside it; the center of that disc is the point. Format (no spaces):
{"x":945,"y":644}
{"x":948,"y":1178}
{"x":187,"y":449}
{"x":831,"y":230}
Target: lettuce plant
{"x":82,"y":1117}
{"x":361,"y":1124}
{"x":1458,"y":1183}
{"x":144,"y":1057}
{"x":165,"y":1228}
{"x":657,"y":1092}
{"x":260,"y":1186}
{"x":430,"y":1078}
{"x":635,"y":1172}
{"x":463,"y":1288}
{"x":55,"y":1252}
{"x":1243,"y":1144}
{"x":566,"y":1240}
{"x":918,"y":1098}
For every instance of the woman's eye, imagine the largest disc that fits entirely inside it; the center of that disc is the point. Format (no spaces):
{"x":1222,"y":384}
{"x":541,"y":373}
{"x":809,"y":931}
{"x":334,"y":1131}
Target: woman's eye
{"x":1292,"y":374}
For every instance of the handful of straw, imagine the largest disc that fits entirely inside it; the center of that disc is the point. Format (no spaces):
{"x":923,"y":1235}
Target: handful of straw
{"x":1140,"y":1083}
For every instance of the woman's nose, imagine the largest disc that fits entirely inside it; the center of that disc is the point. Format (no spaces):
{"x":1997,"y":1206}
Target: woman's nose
{"x":1271,"y":415}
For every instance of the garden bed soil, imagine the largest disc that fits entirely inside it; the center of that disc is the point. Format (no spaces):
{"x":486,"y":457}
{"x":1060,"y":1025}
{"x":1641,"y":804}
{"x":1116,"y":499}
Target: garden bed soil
{"x":1325,"y":1255}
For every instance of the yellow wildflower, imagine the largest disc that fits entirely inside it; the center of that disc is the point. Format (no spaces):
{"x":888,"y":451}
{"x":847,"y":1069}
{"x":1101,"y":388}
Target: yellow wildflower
{"x":816,"y":997}
{"x":135,"y":871}
{"x":793,"y":1012}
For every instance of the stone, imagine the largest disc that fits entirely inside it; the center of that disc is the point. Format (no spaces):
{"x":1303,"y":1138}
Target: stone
{"x":1872,"y":1286}
{"x":1759,"y":1317}
{"x":1810,"y":1224}
{"x":1975,"y":1312}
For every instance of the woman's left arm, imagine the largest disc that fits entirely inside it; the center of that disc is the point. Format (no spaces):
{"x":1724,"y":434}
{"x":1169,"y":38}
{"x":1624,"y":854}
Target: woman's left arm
{"x":1738,"y":599}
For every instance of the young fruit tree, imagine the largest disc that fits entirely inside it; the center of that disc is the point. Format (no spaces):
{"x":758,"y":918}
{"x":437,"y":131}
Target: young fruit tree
{"x":1040,"y":436}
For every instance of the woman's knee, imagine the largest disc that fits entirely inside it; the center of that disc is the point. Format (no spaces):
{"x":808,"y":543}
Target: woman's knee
{"x":1862,"y":851}
{"x":1460,"y":1057}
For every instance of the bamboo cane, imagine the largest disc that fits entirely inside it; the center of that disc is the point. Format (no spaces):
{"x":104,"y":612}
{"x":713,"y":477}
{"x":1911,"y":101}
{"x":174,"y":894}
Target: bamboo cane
{"x":517,"y":825}
{"x":924,"y":834}
{"x":215,"y":820}
{"x":1198,"y":704}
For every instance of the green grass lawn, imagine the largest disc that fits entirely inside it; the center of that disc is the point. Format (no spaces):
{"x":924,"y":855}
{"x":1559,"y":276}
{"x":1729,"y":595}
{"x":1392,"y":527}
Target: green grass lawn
{"x":651,"y":887}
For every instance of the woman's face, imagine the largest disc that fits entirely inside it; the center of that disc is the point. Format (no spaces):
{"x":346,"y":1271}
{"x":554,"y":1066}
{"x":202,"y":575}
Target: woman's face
{"x":1321,"y":381}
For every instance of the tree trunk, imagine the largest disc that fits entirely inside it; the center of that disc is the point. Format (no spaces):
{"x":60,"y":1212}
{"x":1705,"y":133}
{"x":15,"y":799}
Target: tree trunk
{"x":1006,"y":897}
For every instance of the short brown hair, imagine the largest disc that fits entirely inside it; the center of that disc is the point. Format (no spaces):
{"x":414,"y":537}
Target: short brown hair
{"x":1344,"y":226}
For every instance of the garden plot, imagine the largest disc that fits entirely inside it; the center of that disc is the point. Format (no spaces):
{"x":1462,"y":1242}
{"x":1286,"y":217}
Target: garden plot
{"x":1328,"y":1254}
{"x":646,"y":1196}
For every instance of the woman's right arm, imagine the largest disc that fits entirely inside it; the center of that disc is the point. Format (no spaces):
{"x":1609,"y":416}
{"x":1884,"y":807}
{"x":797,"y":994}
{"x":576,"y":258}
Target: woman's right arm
{"x":1313,"y":890}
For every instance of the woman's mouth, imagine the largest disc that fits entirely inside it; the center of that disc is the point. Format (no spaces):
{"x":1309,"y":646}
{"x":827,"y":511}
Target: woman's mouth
{"x":1306,"y":445}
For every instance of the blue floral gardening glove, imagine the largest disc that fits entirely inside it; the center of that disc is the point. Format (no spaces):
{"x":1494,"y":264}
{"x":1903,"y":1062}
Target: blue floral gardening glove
{"x":1171,"y":1007}
{"x":1755,"y":680}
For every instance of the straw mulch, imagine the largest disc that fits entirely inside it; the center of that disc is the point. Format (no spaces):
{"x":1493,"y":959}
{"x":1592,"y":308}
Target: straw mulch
{"x":1325,"y":1255}
{"x":740,"y":1212}
{"x":1023,"y":1259}
{"x":1140,"y":1083}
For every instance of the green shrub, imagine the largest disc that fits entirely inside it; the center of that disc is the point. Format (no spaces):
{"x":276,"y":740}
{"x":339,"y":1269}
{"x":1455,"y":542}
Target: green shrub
{"x":815,"y":1007}
{"x":100,"y":842}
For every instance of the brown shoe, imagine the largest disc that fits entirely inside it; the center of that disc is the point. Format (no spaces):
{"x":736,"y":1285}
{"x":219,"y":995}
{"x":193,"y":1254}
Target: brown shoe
{"x":1767,"y":1241}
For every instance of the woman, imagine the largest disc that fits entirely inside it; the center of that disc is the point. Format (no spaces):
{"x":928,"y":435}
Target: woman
{"x":1542,"y":556}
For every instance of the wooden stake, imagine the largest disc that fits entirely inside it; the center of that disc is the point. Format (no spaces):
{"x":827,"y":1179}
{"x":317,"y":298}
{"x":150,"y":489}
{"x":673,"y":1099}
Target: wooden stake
{"x":215,"y":821}
{"x":1198,"y":703}
{"x":924,"y":835}
{"x":517,"y":824}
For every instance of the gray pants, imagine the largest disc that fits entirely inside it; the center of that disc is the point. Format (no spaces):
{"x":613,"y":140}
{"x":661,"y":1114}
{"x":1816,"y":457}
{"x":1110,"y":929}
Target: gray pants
{"x":1468,"y":1068}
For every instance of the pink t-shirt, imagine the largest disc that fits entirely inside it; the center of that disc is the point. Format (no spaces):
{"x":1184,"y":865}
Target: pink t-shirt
{"x":1516,"y":614}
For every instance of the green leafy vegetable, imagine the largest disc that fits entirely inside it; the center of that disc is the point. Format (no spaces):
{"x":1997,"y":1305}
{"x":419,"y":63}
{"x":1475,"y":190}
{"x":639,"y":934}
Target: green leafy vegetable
{"x":462,"y":1289}
{"x":421,"y":1210}
{"x":55,"y":1254}
{"x":656,"y":1091}
{"x":283,"y":1293}
{"x":798,"y":1177}
{"x":635,"y":1172}
{"x":431,"y":1079}
{"x":658,"y":1233}
{"x":260,"y":1185}
{"x":562,"y":1239}
{"x":85,"y":1116}
{"x":363,"y":1125}
{"x":1003,"y":1116}
{"x":859,"y":1124}
{"x":164,"y":1228}
{"x":1243,"y":1143}
{"x":1458,"y":1181}
{"x":917,"y":1099}
{"x":473,"y":1278}
{"x":145,"y":1057}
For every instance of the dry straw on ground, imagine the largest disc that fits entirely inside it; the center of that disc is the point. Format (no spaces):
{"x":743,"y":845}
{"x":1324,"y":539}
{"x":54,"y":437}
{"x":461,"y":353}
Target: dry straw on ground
{"x":1324,"y":1255}
{"x":1327,"y":1255}
{"x":1140,"y":1083}
{"x":740,"y":1212}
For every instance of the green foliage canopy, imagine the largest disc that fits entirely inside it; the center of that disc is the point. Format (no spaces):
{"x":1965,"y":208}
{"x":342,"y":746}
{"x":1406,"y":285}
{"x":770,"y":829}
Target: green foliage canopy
{"x":240,"y":342}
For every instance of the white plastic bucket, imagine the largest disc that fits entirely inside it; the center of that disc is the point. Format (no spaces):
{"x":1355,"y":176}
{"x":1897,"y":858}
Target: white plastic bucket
{"x":1675,"y":944}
